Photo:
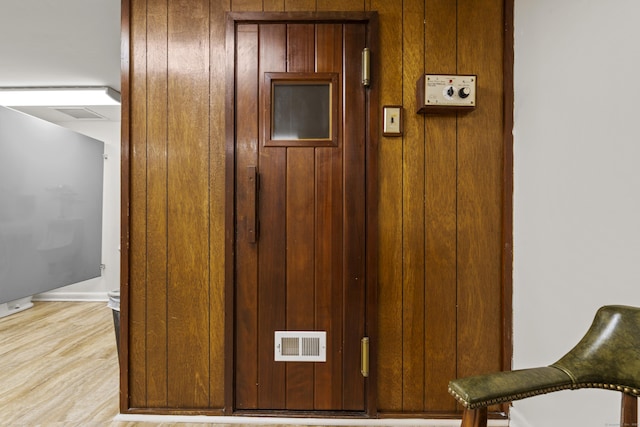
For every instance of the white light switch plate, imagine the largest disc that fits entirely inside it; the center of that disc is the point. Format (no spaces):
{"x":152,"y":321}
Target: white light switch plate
{"x":392,"y":125}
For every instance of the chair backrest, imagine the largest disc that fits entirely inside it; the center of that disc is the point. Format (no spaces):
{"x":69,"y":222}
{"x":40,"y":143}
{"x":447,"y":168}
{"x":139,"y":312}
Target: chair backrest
{"x":608,"y":356}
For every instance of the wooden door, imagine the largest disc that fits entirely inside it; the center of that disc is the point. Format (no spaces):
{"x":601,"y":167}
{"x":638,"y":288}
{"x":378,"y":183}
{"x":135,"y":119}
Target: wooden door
{"x":300,"y":219}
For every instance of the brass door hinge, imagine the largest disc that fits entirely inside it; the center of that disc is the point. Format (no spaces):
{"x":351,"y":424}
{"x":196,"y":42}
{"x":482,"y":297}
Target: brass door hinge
{"x":364,"y":361}
{"x":366,"y":67}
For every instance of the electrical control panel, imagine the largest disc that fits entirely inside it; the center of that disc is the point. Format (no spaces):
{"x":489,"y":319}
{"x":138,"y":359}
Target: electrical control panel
{"x":439,"y":93}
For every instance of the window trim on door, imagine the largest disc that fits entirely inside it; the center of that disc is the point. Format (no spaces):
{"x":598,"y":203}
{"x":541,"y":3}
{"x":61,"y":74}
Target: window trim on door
{"x":273,"y":79}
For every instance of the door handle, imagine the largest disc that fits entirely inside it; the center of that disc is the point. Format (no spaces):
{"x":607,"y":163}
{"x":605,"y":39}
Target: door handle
{"x":252,"y":214}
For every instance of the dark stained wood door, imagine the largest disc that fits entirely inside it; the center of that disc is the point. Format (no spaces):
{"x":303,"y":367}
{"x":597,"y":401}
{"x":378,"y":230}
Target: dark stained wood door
{"x":300,"y":223}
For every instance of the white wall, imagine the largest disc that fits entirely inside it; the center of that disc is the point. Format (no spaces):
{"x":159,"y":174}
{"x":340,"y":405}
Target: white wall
{"x":577,"y":188}
{"x":96,"y":289}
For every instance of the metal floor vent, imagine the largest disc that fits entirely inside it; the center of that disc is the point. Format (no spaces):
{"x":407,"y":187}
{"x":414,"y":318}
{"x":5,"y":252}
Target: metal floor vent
{"x":300,"y":346}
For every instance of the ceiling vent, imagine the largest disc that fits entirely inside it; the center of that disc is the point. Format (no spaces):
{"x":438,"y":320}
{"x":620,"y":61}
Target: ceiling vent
{"x":80,"y":113}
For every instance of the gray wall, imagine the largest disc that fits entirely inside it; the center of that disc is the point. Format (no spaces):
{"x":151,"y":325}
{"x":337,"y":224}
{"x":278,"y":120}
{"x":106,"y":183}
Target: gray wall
{"x":577,"y":188}
{"x":51,"y":184}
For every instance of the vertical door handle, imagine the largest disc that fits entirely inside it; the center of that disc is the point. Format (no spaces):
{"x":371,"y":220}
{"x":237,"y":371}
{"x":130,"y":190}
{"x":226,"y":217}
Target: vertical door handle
{"x":252,"y":214}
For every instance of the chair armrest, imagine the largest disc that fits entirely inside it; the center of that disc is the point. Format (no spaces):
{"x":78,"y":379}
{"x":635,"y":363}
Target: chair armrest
{"x":501,"y":387}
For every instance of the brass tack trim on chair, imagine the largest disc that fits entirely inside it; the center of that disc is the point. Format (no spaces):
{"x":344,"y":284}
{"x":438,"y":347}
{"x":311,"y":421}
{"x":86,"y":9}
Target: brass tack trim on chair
{"x":506,"y":398}
{"x":520,"y":396}
{"x":621,"y":388}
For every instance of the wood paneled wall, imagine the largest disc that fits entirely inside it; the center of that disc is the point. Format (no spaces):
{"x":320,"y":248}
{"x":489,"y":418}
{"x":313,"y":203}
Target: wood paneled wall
{"x":173,"y":137}
{"x":444,"y":278}
{"x":441,"y":206}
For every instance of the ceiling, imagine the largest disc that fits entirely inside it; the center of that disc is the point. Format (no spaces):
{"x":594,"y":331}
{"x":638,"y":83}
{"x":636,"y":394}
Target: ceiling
{"x":60,"y":43}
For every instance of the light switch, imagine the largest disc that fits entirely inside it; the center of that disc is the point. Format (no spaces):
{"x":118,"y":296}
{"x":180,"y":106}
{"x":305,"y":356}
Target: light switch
{"x":392,"y":116}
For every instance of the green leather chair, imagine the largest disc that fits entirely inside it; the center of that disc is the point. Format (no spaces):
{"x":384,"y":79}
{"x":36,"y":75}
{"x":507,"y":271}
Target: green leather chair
{"x":607,"y":357}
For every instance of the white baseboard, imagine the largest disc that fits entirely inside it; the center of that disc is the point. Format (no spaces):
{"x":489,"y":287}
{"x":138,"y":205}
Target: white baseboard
{"x":265,"y":421}
{"x":72,"y":296}
{"x":12,"y":307}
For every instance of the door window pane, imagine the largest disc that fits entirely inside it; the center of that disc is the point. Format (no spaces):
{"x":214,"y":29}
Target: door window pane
{"x":301,"y":111}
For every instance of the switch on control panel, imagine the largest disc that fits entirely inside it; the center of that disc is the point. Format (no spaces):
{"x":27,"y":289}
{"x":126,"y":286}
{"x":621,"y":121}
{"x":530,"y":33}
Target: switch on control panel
{"x":440,"y":93}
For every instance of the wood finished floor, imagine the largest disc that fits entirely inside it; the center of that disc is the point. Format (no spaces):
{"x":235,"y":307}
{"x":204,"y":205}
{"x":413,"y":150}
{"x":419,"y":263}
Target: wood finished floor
{"x":59,"y":368}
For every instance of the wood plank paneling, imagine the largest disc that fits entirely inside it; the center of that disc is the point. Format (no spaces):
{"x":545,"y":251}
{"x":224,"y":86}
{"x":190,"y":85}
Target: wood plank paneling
{"x":300,"y":214}
{"x":246,"y":320}
{"x":125,"y":195}
{"x":341,"y":5}
{"x":300,"y":211}
{"x":157,"y":20}
{"x":217,"y":161}
{"x":328,"y":265}
{"x":413,"y":218}
{"x":299,"y":5}
{"x":440,"y":215}
{"x":301,"y":44}
{"x":188,"y":204}
{"x":273,"y":5}
{"x":442,"y":285}
{"x":272,"y":268}
{"x":390,"y":326}
{"x":354,"y":139}
{"x":136,"y":282}
{"x":479,"y":191}
{"x":246,"y":5}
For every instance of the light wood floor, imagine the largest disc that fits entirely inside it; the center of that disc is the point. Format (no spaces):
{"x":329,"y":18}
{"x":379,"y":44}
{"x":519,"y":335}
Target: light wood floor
{"x":59,"y":368}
